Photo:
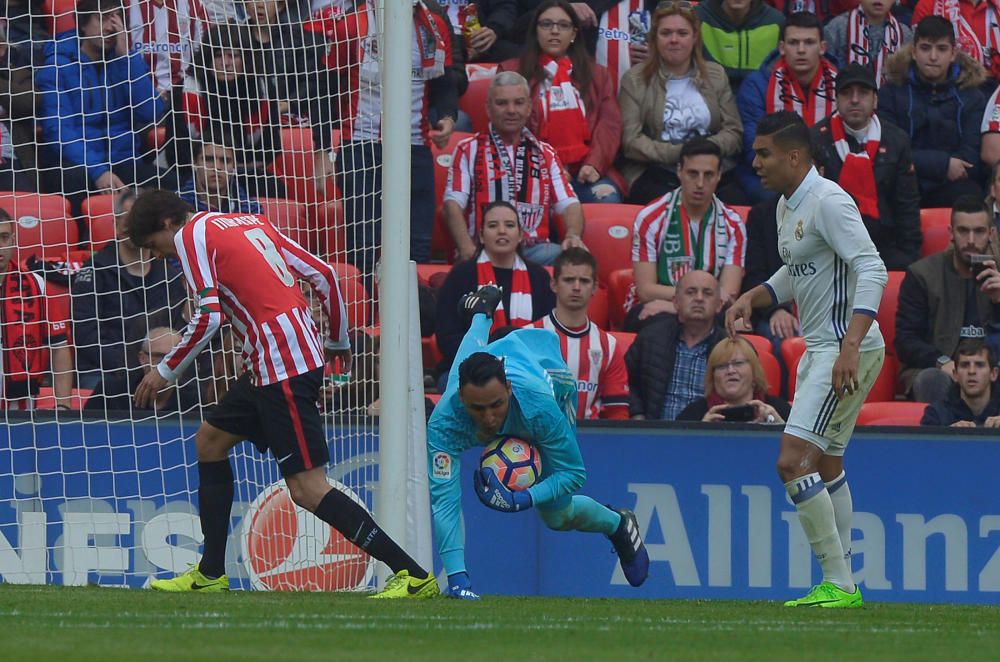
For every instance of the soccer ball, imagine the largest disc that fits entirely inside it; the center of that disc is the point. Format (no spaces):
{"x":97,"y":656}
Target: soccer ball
{"x":517,"y":463}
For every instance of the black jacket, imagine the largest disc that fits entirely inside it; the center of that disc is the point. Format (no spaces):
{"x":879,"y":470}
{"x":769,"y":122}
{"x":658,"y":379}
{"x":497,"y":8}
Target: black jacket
{"x":698,"y":408}
{"x":762,"y":259}
{"x":111,"y":307}
{"x":896,"y":232}
{"x":650,"y":364}
{"x":114,"y":395}
{"x":953,"y":409}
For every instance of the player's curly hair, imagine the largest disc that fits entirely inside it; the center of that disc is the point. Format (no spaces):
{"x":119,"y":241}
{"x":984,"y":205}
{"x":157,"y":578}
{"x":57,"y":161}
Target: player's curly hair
{"x":479,"y":369}
{"x":150,"y":212}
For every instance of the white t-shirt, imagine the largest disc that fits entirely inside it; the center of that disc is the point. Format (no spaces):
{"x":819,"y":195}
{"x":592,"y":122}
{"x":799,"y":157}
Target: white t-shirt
{"x":685,"y":113}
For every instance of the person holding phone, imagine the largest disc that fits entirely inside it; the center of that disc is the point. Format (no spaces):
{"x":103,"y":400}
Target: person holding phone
{"x":735,"y":389}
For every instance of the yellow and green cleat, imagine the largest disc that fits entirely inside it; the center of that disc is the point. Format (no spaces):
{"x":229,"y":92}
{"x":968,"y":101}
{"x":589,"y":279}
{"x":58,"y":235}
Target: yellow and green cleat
{"x":402,"y":585}
{"x":192,"y":580}
{"x":829,"y":596}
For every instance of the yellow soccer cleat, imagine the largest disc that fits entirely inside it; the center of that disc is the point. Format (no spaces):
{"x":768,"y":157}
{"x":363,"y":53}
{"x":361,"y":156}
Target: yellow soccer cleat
{"x":402,"y":585}
{"x":192,"y":580}
{"x":829,"y":596}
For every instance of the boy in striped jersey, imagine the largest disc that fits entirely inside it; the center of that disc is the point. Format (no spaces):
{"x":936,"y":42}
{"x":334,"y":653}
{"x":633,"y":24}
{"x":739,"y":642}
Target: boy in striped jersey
{"x":240,"y":265}
{"x":835,"y":275}
{"x":593,"y":355}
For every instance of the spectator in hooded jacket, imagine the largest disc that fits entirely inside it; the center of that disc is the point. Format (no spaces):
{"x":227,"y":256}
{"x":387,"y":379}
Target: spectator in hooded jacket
{"x":739,"y":34}
{"x":932,"y":93}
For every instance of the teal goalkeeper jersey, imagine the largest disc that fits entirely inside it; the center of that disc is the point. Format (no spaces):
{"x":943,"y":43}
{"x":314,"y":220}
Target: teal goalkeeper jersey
{"x":542,"y":412}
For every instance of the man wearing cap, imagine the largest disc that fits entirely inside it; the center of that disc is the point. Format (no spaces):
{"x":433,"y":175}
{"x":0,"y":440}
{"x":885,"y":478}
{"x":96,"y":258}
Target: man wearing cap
{"x":871,"y":160}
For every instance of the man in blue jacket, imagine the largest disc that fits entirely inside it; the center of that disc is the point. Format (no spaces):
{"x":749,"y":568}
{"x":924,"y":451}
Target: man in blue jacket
{"x":971,"y":402}
{"x":97,"y":98}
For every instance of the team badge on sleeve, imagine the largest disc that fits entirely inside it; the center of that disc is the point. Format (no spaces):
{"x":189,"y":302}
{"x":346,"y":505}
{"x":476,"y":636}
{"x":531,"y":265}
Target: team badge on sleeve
{"x":441,"y":466}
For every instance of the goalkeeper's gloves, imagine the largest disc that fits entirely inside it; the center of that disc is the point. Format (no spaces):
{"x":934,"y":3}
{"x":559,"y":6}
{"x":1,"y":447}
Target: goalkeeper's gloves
{"x":460,"y":587}
{"x":494,"y":494}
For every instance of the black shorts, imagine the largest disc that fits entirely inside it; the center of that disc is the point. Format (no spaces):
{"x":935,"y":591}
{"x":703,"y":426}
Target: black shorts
{"x":283,"y":416}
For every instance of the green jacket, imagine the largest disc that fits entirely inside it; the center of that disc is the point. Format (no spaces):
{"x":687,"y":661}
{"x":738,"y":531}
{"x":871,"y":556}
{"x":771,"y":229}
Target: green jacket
{"x":739,"y":48}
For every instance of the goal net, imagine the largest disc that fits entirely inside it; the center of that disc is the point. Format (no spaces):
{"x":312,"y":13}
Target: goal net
{"x":239,"y":107}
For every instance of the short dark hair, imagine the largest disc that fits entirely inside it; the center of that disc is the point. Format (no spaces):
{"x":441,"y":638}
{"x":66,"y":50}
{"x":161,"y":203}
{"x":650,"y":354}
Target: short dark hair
{"x":972,"y":347}
{"x":969,"y":203}
{"x":5,"y":216}
{"x":86,"y":9}
{"x":479,"y":369}
{"x":700,"y":147}
{"x":574,"y":256}
{"x":801,"y":19}
{"x":788,"y":130}
{"x":934,"y":28}
{"x":150,"y":212}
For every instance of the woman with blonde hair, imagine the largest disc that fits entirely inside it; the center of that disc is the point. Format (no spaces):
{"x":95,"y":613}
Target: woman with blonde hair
{"x":735,"y":388}
{"x":671,"y":97}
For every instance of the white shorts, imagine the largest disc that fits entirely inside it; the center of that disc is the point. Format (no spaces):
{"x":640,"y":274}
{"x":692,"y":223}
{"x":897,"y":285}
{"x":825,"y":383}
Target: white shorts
{"x":817,"y":415}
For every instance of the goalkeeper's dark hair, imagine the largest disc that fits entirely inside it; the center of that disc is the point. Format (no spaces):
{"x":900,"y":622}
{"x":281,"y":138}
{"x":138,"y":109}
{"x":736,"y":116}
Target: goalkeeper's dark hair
{"x":479,"y":369}
{"x":87,"y":9}
{"x":787,"y":130}
{"x":150,"y":212}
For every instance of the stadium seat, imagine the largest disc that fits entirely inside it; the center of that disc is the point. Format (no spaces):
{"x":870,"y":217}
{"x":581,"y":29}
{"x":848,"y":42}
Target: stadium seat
{"x":791,"y":351}
{"x":45,"y":226}
{"x":936,"y":239}
{"x":624,"y":338}
{"x":772,"y":371}
{"x":442,"y":246}
{"x":760,"y":343}
{"x":99,"y":210}
{"x":432,"y":275}
{"x":884,"y":388}
{"x":608,"y":236}
{"x":891,"y":413}
{"x":619,"y":284}
{"x":356,"y":298}
{"x":46,"y":398}
{"x":473,"y":102}
{"x":60,"y":15}
{"x":599,"y":308}
{"x":295,"y":166}
{"x":935,"y":217}
{"x":430,"y":352}
{"x":886,"y":317}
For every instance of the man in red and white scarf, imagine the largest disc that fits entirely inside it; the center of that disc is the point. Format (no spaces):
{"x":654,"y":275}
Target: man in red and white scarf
{"x":868,"y":35}
{"x":507,"y":162}
{"x":977,"y":27}
{"x":166,"y":33}
{"x":871,"y":161}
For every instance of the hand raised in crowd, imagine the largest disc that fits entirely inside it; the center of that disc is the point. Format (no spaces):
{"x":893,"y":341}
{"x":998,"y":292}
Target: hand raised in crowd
{"x":783,"y":324}
{"x":482,"y":40}
{"x":765,"y":412}
{"x":585,"y":14}
{"x":121,"y":34}
{"x":958,"y":169}
{"x":588,"y":174}
{"x":573,"y":241}
{"x":655,"y":307}
{"x":638,"y":53}
{"x":442,"y":133}
{"x":989,"y":281}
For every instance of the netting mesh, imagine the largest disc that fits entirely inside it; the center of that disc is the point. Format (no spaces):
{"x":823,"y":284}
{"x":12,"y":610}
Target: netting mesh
{"x":237,"y":106}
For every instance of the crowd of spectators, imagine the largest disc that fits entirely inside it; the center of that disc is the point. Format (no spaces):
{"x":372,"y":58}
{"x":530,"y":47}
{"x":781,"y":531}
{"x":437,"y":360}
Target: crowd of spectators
{"x":596,"y":102}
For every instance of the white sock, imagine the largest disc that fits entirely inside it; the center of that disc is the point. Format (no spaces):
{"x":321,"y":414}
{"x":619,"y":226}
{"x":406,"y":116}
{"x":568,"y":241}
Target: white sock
{"x":843,"y":510}
{"x":815,"y":508}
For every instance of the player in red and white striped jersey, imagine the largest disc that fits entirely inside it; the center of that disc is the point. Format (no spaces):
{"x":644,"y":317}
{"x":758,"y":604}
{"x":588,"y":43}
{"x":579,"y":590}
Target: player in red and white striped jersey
{"x":240,"y":265}
{"x":592,"y":354}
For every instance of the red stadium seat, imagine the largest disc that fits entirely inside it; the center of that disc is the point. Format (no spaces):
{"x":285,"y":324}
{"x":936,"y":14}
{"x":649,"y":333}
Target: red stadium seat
{"x":431,"y":353}
{"x":884,"y":388}
{"x":60,"y":15}
{"x":619,"y":284}
{"x":791,"y":351}
{"x":891,"y":413}
{"x":935,"y":217}
{"x":432,"y":275}
{"x":295,"y":166}
{"x":45,"y":226}
{"x":46,"y":398}
{"x":599,"y":308}
{"x":936,"y":239}
{"x":473,"y":102}
{"x":356,"y":298}
{"x":442,"y":246}
{"x":99,"y":210}
{"x":624,"y":338}
{"x":886,"y":317}
{"x":772,"y":371}
{"x":608,"y":235}
{"x":760,"y":343}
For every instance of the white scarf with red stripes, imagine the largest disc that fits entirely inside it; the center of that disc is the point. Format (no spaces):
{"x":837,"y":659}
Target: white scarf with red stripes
{"x":965,"y":36}
{"x":859,"y":46}
{"x":625,"y":23}
{"x":520,"y":291}
{"x":814,"y":104}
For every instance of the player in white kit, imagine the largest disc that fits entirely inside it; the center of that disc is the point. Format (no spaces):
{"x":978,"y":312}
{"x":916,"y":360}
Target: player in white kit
{"x":835,"y":276}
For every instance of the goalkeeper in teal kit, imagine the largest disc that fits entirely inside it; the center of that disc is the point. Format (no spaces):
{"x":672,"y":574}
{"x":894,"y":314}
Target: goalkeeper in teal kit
{"x":518,"y":386}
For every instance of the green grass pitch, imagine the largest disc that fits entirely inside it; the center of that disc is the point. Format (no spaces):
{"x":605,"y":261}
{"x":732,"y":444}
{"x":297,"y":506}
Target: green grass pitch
{"x":53,"y":623}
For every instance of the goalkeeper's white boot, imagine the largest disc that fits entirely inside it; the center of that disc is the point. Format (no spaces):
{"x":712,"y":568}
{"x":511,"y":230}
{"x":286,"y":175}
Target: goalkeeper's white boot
{"x":192,"y":580}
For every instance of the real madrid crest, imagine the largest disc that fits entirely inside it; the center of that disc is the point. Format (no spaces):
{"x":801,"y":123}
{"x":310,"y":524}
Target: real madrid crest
{"x":800,"y":230}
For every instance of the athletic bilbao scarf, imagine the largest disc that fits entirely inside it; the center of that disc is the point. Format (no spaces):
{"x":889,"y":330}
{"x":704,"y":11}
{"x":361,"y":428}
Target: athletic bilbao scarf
{"x":434,"y":51}
{"x":518,"y":181}
{"x":812,"y":105}
{"x":685,"y":247}
{"x":520,"y":291}
{"x":859,"y":46}
{"x":564,"y":117}
{"x":857,"y":176}
{"x":968,"y":41}
{"x":24,"y":329}
{"x":625,"y":23}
